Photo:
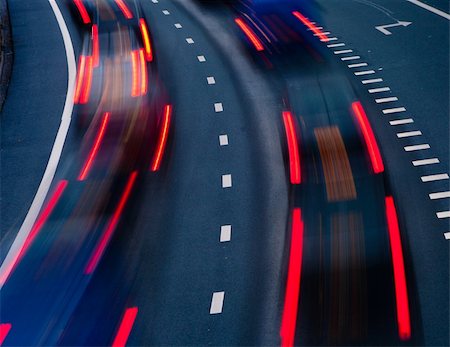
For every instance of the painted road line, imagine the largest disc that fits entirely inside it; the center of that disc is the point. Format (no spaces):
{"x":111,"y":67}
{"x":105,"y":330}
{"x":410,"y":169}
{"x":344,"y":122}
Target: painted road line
{"x":443,"y":214}
{"x":439,"y":195}
{"x":189,"y":40}
{"x":416,"y":147}
{"x":401,"y":121}
{"x":430,"y":8}
{"x":394,"y":110}
{"x":55,"y":154}
{"x":447,"y":235}
{"x":374,"y":80}
{"x":352,"y":66}
{"x":437,"y":177}
{"x":178,"y":25}
{"x":333,"y":45}
{"x":409,"y":134}
{"x":383,"y":100}
{"x":223,"y":140}
{"x":218,"y":107}
{"x":344,"y":51}
{"x":166,"y":13}
{"x":217,"y":303}
{"x":422,"y":162}
{"x":227,"y":181}
{"x":362,"y":73}
{"x":225,"y":233}
{"x":379,"y":90}
{"x":353,"y":57}
{"x":211,"y":80}
{"x":201,"y":58}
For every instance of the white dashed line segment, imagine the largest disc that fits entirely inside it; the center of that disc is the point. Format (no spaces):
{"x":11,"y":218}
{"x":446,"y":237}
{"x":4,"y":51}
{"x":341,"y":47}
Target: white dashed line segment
{"x":437,"y":177}
{"x":401,"y":121}
{"x":417,"y":147}
{"x":225,"y":233}
{"x":217,"y":303}
{"x":227,"y":181}
{"x":409,"y":134}
{"x":439,"y":195}
{"x":223,"y":140}
{"x":422,"y":162}
{"x":218,"y":107}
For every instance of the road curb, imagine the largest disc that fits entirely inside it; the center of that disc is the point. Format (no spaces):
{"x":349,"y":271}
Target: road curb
{"x":6,"y":51}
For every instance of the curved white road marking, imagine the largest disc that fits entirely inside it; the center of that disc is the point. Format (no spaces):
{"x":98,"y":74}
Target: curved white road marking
{"x":55,"y":155}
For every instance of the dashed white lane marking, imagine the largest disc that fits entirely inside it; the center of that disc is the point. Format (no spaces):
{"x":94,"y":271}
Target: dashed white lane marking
{"x":211,"y":80}
{"x":353,"y":57}
{"x":443,"y":214}
{"x":333,"y":45}
{"x":383,"y":100}
{"x":422,"y":162}
{"x":401,"y":121}
{"x":352,"y":66}
{"x":409,"y":134}
{"x":178,"y":25}
{"x":227,"y":181}
{"x":217,"y":303}
{"x":218,"y":107}
{"x":362,"y":73}
{"x":447,"y":235}
{"x":189,"y":40}
{"x":416,"y":147}
{"x":436,"y":177}
{"x":55,"y":154}
{"x":378,"y":90}
{"x":223,"y":140}
{"x":439,"y":195}
{"x":225,"y":233}
{"x":394,"y":110}
{"x":430,"y":8}
{"x":344,"y":51}
{"x":373,"y":80}
{"x":166,"y":13}
{"x":201,"y":58}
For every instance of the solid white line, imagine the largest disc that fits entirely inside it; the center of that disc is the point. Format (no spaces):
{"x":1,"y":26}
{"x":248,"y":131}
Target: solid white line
{"x":430,"y":8}
{"x":218,"y":107}
{"x":336,"y":45}
{"x":351,"y":66}
{"x":223,"y":140}
{"x":178,"y":25}
{"x":422,"y":162}
{"x":409,"y":134}
{"x":394,"y":110}
{"x":343,"y":51}
{"x":383,"y":100}
{"x":375,"y":80}
{"x":439,"y":195}
{"x":227,"y":181}
{"x":361,"y":73}
{"x":354,"y":57}
{"x":211,"y":80}
{"x":447,"y":235}
{"x":55,"y":154}
{"x":225,"y":233}
{"x":437,"y":177}
{"x":443,"y":214}
{"x":401,"y":121}
{"x":416,"y":147}
{"x":217,"y":303}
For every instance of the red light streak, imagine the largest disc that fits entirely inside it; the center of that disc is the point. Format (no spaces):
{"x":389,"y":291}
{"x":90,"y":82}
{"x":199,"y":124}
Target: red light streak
{"x":87,"y":82}
{"x":369,"y":137}
{"x":106,"y":237}
{"x":144,"y":82}
{"x":83,"y":12}
{"x":4,"y":330}
{"x":311,"y":26}
{"x":94,"y":150}
{"x":250,"y":34}
{"x":80,"y":77}
{"x":125,"y":327}
{"x":45,"y":214}
{"x":95,"y":45}
{"x":162,"y":140}
{"x":135,"y":73}
{"x":124,"y":8}
{"x":294,"y":157}
{"x":290,"y":310}
{"x":146,"y":40}
{"x":401,"y":291}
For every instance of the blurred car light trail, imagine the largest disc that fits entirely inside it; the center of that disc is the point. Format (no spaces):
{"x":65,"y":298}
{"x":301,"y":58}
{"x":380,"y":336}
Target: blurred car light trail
{"x":162,"y":138}
{"x":369,"y":137}
{"x":311,"y":26}
{"x":45,"y":214}
{"x":4,"y":330}
{"x":125,"y":327}
{"x":84,"y":14}
{"x":289,"y":319}
{"x":401,"y":291}
{"x":250,"y":34}
{"x":94,"y":150}
{"x":294,"y":157}
{"x":106,"y":237}
{"x":146,"y":40}
{"x":124,"y":8}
